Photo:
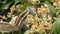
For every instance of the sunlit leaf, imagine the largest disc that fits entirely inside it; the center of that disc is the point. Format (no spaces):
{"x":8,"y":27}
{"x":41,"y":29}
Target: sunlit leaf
{"x":51,"y":7}
{"x":6,"y":6}
{"x":53,"y":11}
{"x":55,"y":29}
{"x":23,"y":7}
{"x":26,"y":32}
{"x":3,"y":1}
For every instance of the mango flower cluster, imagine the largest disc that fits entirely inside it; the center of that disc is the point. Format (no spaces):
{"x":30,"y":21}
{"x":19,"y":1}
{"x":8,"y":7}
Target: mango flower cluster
{"x":56,"y":3}
{"x":41,"y":22}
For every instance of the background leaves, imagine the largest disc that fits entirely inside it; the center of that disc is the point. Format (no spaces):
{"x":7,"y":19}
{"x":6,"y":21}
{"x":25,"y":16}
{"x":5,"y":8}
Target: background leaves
{"x":55,"y":29}
{"x":7,"y":4}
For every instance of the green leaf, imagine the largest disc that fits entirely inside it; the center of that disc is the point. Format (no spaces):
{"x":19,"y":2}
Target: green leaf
{"x":47,"y":0}
{"x":26,"y":32}
{"x":17,"y":32}
{"x":3,"y":1}
{"x":42,"y":1}
{"x":16,"y":13}
{"x":23,"y":1}
{"x":55,"y":29}
{"x":51,"y":7}
{"x":8,"y":19}
{"x":36,"y":33}
{"x":6,"y":6}
{"x":23,"y":7}
{"x":16,"y":1}
{"x":53,"y":11}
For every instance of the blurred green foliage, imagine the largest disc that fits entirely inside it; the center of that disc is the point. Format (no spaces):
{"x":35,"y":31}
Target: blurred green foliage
{"x":55,"y":29}
{"x":7,"y":4}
